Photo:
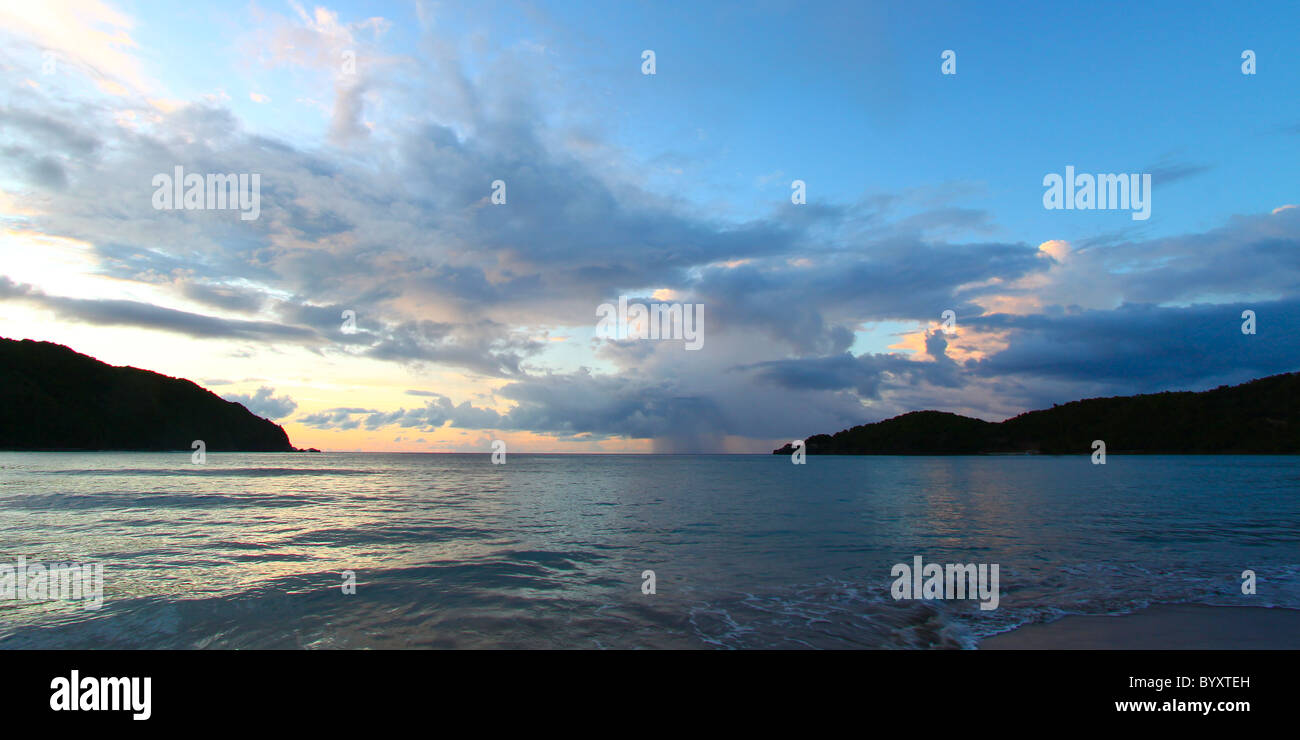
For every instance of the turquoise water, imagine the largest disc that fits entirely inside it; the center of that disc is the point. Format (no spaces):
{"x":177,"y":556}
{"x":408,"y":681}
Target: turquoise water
{"x":246,"y":551}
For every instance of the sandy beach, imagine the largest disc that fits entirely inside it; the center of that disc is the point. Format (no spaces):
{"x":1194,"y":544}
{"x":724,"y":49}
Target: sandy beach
{"x":1162,"y":627}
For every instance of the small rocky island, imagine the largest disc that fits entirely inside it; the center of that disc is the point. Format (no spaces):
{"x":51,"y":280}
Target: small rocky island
{"x":52,"y":398}
{"x":1258,"y":417}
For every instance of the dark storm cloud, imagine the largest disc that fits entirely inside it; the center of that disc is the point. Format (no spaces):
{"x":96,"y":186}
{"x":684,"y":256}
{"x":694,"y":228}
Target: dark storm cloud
{"x":1252,"y":255}
{"x":865,"y":374}
{"x":811,"y":309}
{"x":1148,"y":348}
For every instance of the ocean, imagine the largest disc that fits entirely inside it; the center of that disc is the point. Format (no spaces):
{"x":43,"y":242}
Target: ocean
{"x":549,"y":551}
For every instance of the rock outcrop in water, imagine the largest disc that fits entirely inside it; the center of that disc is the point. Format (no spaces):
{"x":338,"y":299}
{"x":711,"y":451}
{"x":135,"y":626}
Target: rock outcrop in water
{"x":52,"y":398}
{"x":1259,"y":417}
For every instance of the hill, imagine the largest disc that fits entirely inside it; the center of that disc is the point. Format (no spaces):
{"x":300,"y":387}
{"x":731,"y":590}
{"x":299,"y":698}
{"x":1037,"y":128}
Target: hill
{"x":52,"y":398}
{"x":1258,"y":417}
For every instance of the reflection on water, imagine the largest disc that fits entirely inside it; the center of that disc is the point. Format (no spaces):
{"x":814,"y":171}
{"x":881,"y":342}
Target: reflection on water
{"x":547,"y":550}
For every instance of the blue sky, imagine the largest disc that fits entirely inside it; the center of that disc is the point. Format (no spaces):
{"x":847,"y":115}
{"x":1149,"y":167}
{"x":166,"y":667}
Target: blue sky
{"x":924,"y":194}
{"x":848,"y":97}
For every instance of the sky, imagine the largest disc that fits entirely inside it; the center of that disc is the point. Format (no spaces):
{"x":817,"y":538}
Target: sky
{"x":448,"y":193}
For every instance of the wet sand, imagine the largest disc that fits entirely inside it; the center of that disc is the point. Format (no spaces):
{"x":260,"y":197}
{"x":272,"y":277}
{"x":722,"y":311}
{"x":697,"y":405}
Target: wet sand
{"x":1162,"y":627}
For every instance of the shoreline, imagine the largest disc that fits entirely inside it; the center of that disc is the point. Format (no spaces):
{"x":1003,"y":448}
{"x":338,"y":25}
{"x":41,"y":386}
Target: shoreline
{"x":1161,"y":627}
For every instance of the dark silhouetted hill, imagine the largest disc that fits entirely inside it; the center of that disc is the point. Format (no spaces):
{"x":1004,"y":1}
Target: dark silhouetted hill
{"x":52,"y":398}
{"x":1259,"y":417}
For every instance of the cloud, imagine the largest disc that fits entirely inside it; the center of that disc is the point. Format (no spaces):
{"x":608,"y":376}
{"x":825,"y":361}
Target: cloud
{"x":81,"y":34}
{"x":485,"y":346}
{"x":402,"y":232}
{"x":108,"y":312}
{"x":51,"y":132}
{"x":1147,"y":348}
{"x":263,"y":403}
{"x":226,"y":297}
{"x":1171,"y":172}
{"x":570,"y":405}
